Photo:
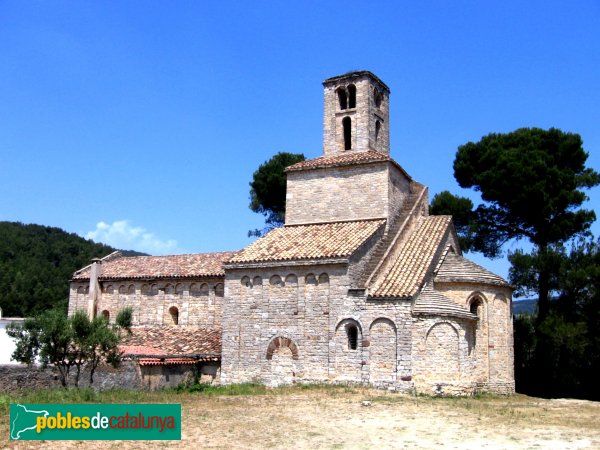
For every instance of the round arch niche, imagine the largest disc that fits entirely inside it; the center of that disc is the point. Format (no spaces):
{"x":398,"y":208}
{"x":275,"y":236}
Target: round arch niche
{"x":279,"y":342}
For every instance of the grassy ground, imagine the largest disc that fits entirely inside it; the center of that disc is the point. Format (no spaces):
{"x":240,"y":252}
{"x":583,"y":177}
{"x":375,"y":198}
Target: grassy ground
{"x":251,"y":416}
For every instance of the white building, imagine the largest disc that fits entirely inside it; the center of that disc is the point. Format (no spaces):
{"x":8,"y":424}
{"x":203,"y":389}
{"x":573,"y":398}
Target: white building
{"x":7,"y":344}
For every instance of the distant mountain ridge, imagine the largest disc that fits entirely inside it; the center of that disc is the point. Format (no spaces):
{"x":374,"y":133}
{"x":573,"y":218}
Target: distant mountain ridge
{"x":36,"y":263}
{"x":524,"y":307}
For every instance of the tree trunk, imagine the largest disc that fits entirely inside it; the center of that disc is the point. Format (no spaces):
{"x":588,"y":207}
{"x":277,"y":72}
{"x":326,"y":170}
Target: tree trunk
{"x":77,"y":375}
{"x":62,"y":375}
{"x":543,"y":286}
{"x":543,"y":301}
{"x":93,"y":366}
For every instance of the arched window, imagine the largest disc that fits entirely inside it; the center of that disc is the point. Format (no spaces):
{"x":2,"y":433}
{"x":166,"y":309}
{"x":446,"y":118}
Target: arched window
{"x":106,"y":315}
{"x":377,"y":97}
{"x":343,"y":98}
{"x":204,"y":290}
{"x":351,"y":96}
{"x":377,"y":129}
{"x":347,"y":124}
{"x":174,"y":312}
{"x":476,"y":308}
{"x":276,"y":281}
{"x":352,"y":333}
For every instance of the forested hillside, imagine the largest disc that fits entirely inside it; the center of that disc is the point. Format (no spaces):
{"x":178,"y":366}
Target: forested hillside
{"x":36,"y":263}
{"x":524,"y":307}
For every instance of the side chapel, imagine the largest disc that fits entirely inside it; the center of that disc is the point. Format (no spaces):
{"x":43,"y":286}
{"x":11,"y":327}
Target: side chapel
{"x":361,"y":285}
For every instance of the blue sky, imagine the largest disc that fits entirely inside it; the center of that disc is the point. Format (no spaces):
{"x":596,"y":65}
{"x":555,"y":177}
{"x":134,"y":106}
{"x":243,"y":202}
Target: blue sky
{"x":140,"y":123}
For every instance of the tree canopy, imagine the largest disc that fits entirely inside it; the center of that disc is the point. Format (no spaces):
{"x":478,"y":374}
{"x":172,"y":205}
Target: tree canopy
{"x":68,"y":343}
{"x":463,"y":217}
{"x":531,"y":181}
{"x":268,"y":189}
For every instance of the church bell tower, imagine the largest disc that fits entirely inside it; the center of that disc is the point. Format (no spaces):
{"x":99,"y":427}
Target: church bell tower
{"x":356,"y":114}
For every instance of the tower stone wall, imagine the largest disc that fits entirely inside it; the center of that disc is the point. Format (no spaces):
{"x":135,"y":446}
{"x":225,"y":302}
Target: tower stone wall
{"x":362,"y":99}
{"x":337,"y":193}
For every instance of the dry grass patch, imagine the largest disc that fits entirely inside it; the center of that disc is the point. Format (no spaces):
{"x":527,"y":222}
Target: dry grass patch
{"x":334,"y":417}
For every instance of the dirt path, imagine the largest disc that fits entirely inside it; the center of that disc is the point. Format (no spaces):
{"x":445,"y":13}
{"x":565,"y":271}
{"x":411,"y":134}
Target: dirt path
{"x":335,"y":419}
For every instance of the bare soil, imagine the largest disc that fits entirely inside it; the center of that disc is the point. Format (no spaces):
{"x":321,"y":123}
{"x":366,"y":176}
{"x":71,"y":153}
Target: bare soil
{"x":338,"y":418}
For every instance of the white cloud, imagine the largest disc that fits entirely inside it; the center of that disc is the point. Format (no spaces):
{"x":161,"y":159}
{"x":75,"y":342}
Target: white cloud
{"x":122,"y":235}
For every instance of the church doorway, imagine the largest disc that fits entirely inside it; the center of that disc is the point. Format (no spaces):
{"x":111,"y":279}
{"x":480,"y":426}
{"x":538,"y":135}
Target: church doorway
{"x":282,"y":361}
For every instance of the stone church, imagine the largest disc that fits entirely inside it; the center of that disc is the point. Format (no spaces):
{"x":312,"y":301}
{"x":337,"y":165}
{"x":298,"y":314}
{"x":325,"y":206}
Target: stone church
{"x":361,"y":285}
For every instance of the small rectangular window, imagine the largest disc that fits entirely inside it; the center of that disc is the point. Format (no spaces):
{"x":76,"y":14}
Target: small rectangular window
{"x":352,"y":333}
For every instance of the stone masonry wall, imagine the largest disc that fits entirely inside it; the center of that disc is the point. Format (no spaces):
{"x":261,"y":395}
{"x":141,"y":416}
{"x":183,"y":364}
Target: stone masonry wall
{"x":494,"y":347}
{"x":399,"y":189}
{"x":129,"y":375}
{"x":388,"y":322}
{"x":359,"y":262}
{"x":196,"y":302}
{"x":295,"y":327}
{"x":443,"y":356}
{"x":15,"y":378}
{"x":363,"y":118}
{"x":292,"y":303}
{"x":338,"y":193}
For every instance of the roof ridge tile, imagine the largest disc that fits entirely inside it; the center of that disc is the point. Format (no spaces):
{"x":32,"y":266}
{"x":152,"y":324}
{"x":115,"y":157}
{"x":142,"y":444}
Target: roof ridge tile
{"x":408,"y":272}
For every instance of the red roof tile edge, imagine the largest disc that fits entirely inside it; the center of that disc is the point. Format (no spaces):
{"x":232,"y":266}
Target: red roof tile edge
{"x":175,"y":361}
{"x":83,"y":273}
{"x":346,"y":159}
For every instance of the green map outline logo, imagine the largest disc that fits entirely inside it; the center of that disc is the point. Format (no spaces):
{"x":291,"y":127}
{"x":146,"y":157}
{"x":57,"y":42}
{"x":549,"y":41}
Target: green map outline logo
{"x":14,"y":421}
{"x":131,"y":421}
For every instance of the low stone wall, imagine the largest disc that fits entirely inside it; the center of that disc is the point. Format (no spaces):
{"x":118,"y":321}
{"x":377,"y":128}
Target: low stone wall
{"x":15,"y":378}
{"x":158,"y":377}
{"x":129,"y":375}
{"x":499,"y":388}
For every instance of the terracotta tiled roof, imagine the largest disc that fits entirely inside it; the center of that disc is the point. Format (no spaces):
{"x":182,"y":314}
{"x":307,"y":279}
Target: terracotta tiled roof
{"x":140,"y":350}
{"x":166,"y":361}
{"x":408,"y":273}
{"x":431,"y":302}
{"x":316,"y":241}
{"x":173,"y":342}
{"x":345,"y":159}
{"x":174,"y":266}
{"x":455,"y":268}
